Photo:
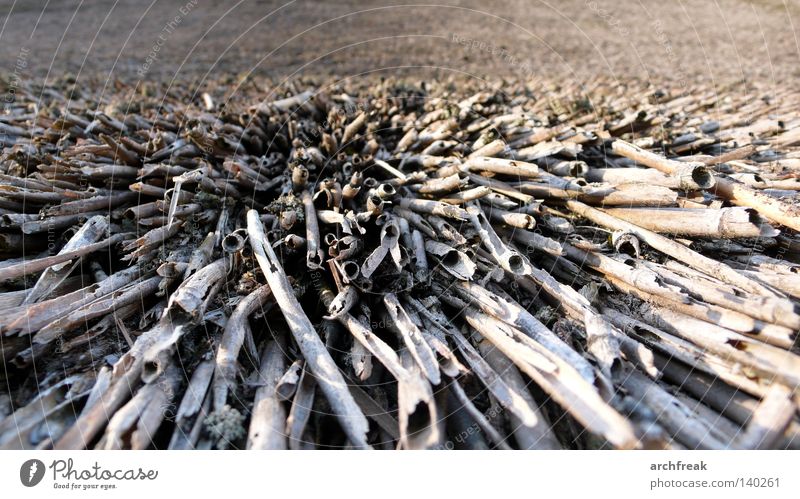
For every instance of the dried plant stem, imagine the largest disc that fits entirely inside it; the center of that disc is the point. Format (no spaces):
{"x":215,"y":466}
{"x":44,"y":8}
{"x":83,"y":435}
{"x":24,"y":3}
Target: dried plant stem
{"x":231,"y":343}
{"x":32,"y":266}
{"x":560,"y":380}
{"x":691,"y":430}
{"x":191,"y":410}
{"x":314,"y":255}
{"x":268,"y":422}
{"x":319,"y":360}
{"x":672,"y":248}
{"x":726,"y":223}
{"x":300,"y":412}
{"x":691,"y":175}
{"x":770,"y":207}
{"x":479,"y":418}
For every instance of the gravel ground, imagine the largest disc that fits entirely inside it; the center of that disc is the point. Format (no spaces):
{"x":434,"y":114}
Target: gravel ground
{"x":684,"y":40}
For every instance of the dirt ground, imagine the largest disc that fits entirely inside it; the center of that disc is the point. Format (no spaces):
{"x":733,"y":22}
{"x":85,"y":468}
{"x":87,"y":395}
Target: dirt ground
{"x":679,"y":40}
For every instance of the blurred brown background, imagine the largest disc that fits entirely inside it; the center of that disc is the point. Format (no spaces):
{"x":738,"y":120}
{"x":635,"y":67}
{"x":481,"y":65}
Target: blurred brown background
{"x":717,"y":40}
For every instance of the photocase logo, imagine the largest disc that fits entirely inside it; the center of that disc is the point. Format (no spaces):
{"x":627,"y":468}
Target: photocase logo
{"x":31,"y":472}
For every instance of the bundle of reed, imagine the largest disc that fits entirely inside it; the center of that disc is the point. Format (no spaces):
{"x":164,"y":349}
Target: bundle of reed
{"x":391,"y":265}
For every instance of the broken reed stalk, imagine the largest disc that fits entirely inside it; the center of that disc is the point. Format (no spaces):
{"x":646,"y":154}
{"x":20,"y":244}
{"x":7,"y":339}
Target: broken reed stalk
{"x":236,"y":331}
{"x":559,"y":379}
{"x":539,"y":436}
{"x":193,"y":408}
{"x":691,"y":176}
{"x":691,"y":430}
{"x":412,"y":338}
{"x":125,"y":377}
{"x":319,"y":360}
{"x":300,"y":411}
{"x":506,"y":257}
{"x":673,"y":249}
{"x":772,"y":310}
{"x":37,"y":265}
{"x":414,"y":391}
{"x":90,"y":232}
{"x":268,"y":423}
{"x":770,"y":207}
{"x":314,"y":253}
{"x":736,"y":192}
{"x":508,"y":397}
{"x":725,"y":223}
{"x":478,"y":417}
